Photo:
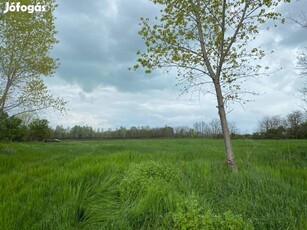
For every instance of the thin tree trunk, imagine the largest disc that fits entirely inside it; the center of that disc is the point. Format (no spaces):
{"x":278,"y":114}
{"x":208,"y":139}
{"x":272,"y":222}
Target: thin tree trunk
{"x":222,"y":114}
{"x":3,"y":98}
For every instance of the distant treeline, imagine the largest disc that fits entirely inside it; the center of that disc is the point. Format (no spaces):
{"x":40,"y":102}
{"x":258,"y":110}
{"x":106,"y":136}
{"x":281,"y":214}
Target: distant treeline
{"x":294,"y":126}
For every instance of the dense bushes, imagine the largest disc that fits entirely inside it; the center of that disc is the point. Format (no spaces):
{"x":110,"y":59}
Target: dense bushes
{"x":13,"y":129}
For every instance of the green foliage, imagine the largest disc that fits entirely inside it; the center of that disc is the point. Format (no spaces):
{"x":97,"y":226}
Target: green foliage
{"x":191,"y":216}
{"x":11,"y":128}
{"x":7,"y":150}
{"x":148,"y":189}
{"x":207,"y":39}
{"x":39,"y":129}
{"x":26,"y":42}
{"x":140,"y":178}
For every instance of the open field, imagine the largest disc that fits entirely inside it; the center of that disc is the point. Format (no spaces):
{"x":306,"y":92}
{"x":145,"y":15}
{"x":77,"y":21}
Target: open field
{"x":153,"y":184}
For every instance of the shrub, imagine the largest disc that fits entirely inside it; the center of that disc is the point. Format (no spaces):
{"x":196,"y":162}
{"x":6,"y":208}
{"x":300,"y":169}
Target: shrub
{"x":191,"y":216}
{"x":7,"y":150}
{"x":140,"y":178}
{"x":149,"y":192}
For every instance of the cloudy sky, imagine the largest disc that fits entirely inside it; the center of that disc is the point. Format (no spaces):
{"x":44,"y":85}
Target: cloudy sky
{"x":97,"y":43}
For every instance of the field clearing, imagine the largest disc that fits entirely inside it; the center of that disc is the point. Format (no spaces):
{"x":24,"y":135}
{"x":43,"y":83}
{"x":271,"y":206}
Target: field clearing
{"x":152,"y":184}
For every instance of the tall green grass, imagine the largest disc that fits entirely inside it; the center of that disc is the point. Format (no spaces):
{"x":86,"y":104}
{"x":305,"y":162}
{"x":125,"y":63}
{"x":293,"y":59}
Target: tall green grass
{"x":153,"y":184}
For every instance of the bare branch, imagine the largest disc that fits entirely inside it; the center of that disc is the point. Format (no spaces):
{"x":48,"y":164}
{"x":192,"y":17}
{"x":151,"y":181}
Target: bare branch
{"x":302,"y":21}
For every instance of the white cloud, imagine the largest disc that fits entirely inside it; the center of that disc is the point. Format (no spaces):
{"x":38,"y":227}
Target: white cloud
{"x":107,"y":106}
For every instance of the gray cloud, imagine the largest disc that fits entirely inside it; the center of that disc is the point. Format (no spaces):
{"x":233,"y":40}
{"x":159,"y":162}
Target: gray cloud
{"x":98,"y":41}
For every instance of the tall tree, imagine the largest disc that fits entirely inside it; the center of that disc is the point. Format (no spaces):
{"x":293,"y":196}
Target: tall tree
{"x":26,"y":40}
{"x":207,"y":41}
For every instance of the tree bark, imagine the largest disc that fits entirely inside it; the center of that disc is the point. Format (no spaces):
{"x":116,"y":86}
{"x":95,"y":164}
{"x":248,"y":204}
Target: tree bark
{"x":222,"y":114}
{"x":3,"y":98}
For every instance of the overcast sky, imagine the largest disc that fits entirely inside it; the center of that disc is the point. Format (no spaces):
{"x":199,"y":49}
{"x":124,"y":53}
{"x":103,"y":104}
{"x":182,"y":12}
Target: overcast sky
{"x":97,"y":43}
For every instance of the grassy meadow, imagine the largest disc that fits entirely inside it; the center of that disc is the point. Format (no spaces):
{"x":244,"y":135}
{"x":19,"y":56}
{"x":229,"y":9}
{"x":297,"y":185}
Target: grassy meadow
{"x":153,"y":184}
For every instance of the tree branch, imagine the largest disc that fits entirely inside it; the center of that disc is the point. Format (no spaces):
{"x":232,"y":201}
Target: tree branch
{"x":202,"y":41}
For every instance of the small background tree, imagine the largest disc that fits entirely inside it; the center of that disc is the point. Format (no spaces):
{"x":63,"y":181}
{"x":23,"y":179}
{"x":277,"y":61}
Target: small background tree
{"x":39,"y":129}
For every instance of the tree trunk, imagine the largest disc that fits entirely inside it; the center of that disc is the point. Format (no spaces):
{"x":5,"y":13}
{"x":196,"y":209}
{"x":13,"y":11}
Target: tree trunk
{"x":222,"y":114}
{"x":3,"y":98}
